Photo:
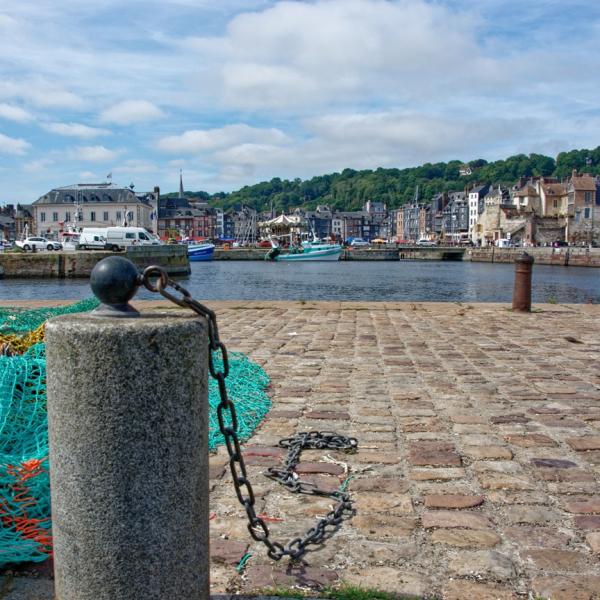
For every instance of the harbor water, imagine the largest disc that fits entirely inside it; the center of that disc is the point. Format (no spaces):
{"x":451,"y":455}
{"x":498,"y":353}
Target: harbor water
{"x":404,"y":281}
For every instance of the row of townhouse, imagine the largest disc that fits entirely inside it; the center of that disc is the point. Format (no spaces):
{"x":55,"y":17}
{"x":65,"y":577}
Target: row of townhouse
{"x":535,"y":210}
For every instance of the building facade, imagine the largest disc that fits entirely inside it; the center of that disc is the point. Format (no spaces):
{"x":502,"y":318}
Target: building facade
{"x":91,"y":205}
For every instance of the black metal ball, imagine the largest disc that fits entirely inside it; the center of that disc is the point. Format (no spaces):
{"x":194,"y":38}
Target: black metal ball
{"x":114,"y":280}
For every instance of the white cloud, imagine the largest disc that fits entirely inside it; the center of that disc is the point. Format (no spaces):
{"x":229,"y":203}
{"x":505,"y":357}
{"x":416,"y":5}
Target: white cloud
{"x":134,"y":166}
{"x":131,"y":111}
{"x":14,"y":113}
{"x":75,"y":130}
{"x":200,"y":140}
{"x":9,"y":145}
{"x":93,"y":154}
{"x":299,"y":54}
{"x":40,"y":92}
{"x":35,"y":166}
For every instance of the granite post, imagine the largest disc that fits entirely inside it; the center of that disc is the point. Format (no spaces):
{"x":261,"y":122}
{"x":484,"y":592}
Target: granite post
{"x":127,"y":419}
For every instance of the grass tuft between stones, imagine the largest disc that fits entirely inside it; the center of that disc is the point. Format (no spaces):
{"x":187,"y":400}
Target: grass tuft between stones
{"x":346,"y":592}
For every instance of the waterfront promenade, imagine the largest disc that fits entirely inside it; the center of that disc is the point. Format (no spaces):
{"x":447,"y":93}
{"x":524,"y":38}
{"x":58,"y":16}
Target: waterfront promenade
{"x":479,"y":432}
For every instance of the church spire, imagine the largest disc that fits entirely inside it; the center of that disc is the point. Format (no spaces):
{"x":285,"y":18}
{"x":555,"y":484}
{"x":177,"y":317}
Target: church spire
{"x":180,"y":183}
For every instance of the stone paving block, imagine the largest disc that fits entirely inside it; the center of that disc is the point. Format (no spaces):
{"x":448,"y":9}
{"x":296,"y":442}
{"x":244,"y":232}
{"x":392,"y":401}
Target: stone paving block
{"x":381,"y":484}
{"x":434,"y":454}
{"x":403,"y":582}
{"x":554,"y":560}
{"x":537,"y":537}
{"x":593,"y":540}
{"x":481,"y":538}
{"x":268,"y":576}
{"x":384,"y":458}
{"x":498,"y":481}
{"x":391,"y":504}
{"x":487,"y":452}
{"x":227,"y":552}
{"x":496,"y":466}
{"x":384,"y":527}
{"x":436,"y":474}
{"x":509,"y":419}
{"x":587,"y":506}
{"x":555,"y":463}
{"x":450,"y":519}
{"x":453,"y":501}
{"x":588,"y":522}
{"x":530,"y":440}
{"x":462,"y":589}
{"x":581,"y":444}
{"x":532,"y":515}
{"x":566,"y":588}
{"x":319,"y":467}
{"x":487,"y":565}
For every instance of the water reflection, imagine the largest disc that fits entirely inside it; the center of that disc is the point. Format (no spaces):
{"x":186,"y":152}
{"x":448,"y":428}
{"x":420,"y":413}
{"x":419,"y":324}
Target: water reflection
{"x":371,"y":281}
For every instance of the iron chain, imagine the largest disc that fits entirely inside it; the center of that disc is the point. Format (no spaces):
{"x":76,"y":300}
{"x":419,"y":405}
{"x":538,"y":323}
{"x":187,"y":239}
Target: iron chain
{"x":227,"y":419}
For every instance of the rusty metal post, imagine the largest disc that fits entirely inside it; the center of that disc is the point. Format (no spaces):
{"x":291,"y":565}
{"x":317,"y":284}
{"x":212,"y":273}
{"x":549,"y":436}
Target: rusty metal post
{"x":522,"y":290}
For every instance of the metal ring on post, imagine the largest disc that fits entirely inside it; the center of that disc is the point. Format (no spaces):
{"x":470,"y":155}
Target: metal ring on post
{"x":154,"y":271}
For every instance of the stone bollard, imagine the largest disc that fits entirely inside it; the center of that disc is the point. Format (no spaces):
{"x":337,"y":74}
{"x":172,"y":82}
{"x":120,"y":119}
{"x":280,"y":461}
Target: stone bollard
{"x":522,"y":290}
{"x":127,"y":419}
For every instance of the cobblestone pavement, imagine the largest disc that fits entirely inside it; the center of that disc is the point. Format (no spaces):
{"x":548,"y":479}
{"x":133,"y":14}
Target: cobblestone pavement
{"x":479,"y":463}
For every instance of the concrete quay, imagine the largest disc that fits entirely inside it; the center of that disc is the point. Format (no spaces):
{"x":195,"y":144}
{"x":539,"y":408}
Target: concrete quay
{"x":66,"y":264}
{"x":569,"y":256}
{"x":478,"y":470}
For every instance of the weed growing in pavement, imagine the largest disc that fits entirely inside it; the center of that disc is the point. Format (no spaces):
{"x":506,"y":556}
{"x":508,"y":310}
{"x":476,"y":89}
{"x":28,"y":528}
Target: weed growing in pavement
{"x":342,"y":593}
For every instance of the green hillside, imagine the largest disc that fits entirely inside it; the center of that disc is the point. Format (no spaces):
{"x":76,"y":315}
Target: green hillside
{"x":350,"y":189}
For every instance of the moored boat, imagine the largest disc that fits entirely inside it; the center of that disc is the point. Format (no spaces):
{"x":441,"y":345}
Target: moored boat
{"x":308,"y":251}
{"x":198,"y":252}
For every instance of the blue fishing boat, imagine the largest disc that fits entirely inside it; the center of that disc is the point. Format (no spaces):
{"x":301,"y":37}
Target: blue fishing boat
{"x":197,"y":252}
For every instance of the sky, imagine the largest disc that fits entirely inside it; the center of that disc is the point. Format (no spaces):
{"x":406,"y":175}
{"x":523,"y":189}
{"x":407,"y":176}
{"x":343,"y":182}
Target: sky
{"x":233,"y":92}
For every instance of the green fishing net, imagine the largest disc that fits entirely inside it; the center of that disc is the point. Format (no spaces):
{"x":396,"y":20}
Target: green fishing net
{"x":25,"y":525}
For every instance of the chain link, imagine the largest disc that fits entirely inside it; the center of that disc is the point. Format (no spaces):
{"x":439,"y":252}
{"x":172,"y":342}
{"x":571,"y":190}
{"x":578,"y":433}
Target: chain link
{"x":227,"y":419}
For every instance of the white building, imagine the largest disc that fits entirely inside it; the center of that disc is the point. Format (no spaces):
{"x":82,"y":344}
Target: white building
{"x":476,"y":205}
{"x":93,"y":205}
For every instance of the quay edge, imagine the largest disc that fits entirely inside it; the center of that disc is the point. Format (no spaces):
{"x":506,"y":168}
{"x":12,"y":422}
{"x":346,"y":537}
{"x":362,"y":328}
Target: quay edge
{"x":66,"y":265}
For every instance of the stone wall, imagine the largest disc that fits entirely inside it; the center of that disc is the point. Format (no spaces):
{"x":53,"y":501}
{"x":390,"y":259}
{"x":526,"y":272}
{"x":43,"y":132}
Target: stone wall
{"x":579,"y":257}
{"x":80,"y":264}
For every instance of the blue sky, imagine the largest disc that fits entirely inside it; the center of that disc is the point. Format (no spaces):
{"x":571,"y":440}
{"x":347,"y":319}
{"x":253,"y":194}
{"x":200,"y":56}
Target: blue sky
{"x":238,"y":91}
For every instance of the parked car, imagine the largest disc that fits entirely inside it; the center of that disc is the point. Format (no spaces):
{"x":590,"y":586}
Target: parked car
{"x":38,"y":243}
{"x":559,"y":244}
{"x":358,"y":243}
{"x":425,"y":242}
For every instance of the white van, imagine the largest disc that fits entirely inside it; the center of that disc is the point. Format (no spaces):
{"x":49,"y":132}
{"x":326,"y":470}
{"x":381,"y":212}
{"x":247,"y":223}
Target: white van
{"x":92,"y":238}
{"x":118,"y":238}
{"x":504,"y":243}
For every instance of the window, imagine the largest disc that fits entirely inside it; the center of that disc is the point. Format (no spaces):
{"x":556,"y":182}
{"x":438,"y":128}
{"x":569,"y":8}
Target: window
{"x":55,"y":216}
{"x":67,"y":216}
{"x":130,"y":236}
{"x":586,"y":213}
{"x":42,"y":217}
{"x":587,"y":197}
{"x":105,"y":216}
{"x":93,"y":215}
{"x":143,"y":236}
{"x":119,"y":216}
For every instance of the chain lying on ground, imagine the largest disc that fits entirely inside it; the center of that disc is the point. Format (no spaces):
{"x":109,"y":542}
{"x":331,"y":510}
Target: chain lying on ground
{"x":227,"y":419}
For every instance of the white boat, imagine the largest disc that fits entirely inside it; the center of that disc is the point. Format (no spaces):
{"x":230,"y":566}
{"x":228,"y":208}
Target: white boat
{"x":307,"y":251}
